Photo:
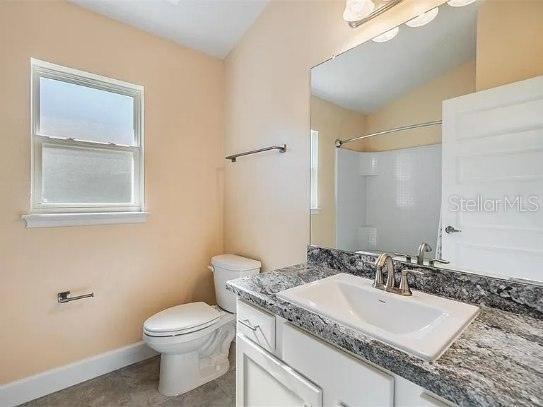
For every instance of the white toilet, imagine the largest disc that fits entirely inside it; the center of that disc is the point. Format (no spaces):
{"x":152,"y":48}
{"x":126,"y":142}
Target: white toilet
{"x":194,"y":339}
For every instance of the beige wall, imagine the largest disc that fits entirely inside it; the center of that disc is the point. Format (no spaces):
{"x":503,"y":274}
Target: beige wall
{"x":267,"y":102}
{"x":509,"y":42}
{"x":134,"y":270}
{"x":332,"y":122}
{"x":422,"y":104}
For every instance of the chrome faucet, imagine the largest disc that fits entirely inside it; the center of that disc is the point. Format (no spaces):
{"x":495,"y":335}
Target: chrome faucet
{"x":384,"y":262}
{"x":423,"y":248}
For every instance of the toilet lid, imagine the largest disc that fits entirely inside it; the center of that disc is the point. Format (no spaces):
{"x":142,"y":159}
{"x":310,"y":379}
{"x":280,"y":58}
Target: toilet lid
{"x":184,"y":317}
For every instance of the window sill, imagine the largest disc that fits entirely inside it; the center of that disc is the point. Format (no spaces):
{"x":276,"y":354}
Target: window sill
{"x":47,"y":220}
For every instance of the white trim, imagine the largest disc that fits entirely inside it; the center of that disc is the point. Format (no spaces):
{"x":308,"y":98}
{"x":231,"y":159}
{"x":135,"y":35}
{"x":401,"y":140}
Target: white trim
{"x":46,"y":220}
{"x":50,"y":381}
{"x":77,"y":72}
{"x":45,"y":69}
{"x":314,"y":164}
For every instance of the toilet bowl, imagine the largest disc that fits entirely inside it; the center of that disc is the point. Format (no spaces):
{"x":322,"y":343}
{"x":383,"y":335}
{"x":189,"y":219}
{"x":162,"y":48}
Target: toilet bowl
{"x":194,"y":339}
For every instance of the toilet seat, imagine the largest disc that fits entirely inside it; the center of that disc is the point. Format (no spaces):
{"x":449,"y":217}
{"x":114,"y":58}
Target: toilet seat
{"x":180,"y":331}
{"x":181,"y":320}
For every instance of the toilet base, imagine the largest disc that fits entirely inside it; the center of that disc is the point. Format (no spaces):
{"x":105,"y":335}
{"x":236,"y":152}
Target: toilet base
{"x":182,"y":372}
{"x":176,"y":374}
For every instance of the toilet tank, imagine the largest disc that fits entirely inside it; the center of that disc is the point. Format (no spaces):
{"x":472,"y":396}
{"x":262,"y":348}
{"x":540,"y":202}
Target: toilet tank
{"x":229,"y":267}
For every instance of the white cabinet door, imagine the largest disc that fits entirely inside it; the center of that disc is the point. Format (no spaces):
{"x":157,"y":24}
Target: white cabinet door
{"x":263,"y":380}
{"x":408,"y":394}
{"x":493,"y":157}
{"x":345,"y":380}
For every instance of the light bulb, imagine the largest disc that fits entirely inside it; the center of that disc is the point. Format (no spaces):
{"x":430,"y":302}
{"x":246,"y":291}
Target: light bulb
{"x":459,"y":3}
{"x":423,"y":19}
{"x":387,"y":36}
{"x":356,"y":10}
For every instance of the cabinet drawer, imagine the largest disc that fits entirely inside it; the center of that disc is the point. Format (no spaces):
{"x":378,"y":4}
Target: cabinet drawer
{"x":345,"y":381}
{"x":257,"y":325}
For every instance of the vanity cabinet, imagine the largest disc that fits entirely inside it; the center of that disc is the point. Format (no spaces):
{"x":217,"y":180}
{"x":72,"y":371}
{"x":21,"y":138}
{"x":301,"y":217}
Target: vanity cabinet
{"x":301,"y":370}
{"x":264,"y":380}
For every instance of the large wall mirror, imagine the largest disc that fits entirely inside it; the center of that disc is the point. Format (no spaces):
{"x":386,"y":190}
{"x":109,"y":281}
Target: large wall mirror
{"x":433,"y":133}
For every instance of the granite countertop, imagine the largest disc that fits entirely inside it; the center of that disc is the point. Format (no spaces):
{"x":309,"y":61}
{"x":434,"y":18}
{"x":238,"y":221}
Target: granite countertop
{"x":498,"y":360}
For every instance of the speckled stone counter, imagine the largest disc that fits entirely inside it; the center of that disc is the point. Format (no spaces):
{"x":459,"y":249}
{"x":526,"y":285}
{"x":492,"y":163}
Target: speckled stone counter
{"x":498,"y":360}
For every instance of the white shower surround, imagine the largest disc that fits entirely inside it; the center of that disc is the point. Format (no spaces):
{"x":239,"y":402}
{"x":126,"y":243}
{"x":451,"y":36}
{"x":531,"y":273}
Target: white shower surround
{"x":388,"y":201}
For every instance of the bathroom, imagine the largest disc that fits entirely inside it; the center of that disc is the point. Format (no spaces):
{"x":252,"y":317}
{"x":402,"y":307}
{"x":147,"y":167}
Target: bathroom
{"x":375,"y":117}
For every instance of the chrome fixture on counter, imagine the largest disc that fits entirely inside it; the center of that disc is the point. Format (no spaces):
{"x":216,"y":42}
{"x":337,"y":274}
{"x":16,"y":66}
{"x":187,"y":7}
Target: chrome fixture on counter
{"x":384,"y":262}
{"x":406,"y":256}
{"x":234,"y":157}
{"x":423,"y":248}
{"x":339,"y":143}
{"x":432,"y":262}
{"x":404,"y":288}
{"x":64,"y":296}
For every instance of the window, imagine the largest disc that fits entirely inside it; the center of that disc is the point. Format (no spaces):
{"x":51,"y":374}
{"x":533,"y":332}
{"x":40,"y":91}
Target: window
{"x":314,"y":171}
{"x":87,"y":148}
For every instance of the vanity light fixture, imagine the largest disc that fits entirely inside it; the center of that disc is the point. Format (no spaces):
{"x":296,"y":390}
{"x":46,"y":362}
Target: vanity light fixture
{"x":387,"y":36}
{"x":459,"y":3}
{"x":357,"y":12}
{"x":423,"y":19}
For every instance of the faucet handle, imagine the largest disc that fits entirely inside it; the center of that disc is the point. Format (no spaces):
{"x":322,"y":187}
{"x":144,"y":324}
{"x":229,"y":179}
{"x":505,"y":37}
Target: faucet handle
{"x":407,"y":256}
{"x":432,"y":262}
{"x":404,"y":288}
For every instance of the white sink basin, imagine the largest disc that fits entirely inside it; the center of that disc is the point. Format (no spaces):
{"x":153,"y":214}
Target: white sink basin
{"x":422,"y":324}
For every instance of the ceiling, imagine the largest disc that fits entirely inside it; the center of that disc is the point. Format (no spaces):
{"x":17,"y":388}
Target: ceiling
{"x":211,"y":26}
{"x":373,"y":74}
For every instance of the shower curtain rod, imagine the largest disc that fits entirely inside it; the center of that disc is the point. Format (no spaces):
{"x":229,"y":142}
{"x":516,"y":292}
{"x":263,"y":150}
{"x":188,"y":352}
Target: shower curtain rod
{"x":339,"y":142}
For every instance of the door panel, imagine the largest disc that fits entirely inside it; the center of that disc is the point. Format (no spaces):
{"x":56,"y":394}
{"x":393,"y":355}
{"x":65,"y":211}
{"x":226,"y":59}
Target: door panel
{"x":262,"y":389}
{"x":493,"y":156}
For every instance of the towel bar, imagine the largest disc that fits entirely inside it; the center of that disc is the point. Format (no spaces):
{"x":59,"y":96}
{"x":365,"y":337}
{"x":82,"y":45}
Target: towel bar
{"x":64,"y":296}
{"x":234,"y":157}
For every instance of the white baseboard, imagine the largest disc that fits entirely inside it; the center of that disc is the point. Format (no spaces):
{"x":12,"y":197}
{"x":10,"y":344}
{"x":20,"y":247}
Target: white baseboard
{"x":50,"y":381}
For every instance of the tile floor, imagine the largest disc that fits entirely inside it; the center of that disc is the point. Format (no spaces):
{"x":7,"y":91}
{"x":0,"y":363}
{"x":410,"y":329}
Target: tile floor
{"x":136,"y":385}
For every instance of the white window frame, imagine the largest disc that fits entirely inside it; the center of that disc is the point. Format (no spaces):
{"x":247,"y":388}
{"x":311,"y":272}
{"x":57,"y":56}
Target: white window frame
{"x":67,"y":214}
{"x":314,"y":165}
